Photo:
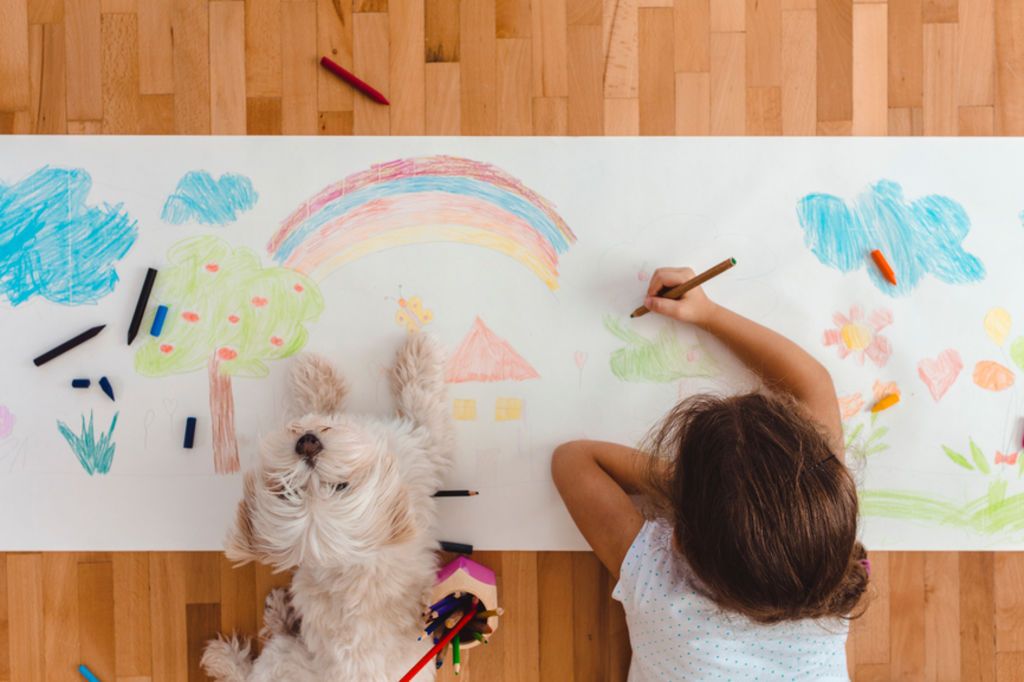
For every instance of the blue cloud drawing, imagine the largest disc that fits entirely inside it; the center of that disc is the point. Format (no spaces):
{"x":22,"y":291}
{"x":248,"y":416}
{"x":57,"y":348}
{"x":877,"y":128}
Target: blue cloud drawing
{"x":211,"y":202}
{"x":916,"y":238}
{"x":53,"y":245}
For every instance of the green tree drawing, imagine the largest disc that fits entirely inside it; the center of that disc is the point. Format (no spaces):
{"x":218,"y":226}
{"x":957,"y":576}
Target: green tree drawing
{"x":231,"y":315}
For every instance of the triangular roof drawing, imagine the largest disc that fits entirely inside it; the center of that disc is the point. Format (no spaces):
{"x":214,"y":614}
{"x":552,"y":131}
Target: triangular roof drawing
{"x":484,"y":356}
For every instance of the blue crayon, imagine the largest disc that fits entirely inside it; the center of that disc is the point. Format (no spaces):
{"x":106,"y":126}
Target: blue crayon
{"x":107,"y":388}
{"x":158,"y":321}
{"x":80,"y":383}
{"x":190,"y":431}
{"x":87,"y":674}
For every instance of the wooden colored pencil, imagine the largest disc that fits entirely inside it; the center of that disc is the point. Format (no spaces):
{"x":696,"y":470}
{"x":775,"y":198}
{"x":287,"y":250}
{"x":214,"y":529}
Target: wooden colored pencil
{"x":441,"y":644}
{"x":677,"y":291}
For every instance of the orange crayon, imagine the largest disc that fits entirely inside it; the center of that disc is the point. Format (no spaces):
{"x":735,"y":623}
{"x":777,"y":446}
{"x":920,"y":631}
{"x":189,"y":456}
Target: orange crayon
{"x":886,"y":402}
{"x":884,"y":266}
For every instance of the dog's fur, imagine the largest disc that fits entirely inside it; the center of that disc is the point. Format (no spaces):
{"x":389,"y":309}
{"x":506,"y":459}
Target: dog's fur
{"x":364,"y":555}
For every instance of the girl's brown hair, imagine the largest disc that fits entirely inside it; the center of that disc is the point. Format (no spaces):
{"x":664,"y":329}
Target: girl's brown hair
{"x":763,"y":512}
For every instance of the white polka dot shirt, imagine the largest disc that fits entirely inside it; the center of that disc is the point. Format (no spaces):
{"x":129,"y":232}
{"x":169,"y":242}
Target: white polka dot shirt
{"x":677,"y":633}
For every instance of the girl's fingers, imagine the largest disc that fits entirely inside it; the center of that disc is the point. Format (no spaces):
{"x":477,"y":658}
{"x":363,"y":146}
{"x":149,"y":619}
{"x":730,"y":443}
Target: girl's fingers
{"x":668,"y":277}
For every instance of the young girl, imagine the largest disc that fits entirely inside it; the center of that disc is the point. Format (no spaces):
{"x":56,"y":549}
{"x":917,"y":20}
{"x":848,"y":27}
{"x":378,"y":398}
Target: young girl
{"x":755,"y":568}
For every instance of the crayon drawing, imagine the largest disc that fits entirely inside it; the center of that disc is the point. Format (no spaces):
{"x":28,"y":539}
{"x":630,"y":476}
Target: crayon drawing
{"x":508,"y":409}
{"x":95,"y":452}
{"x":859,"y":337}
{"x":860,"y":435}
{"x":939,"y":374}
{"x":207,"y":201}
{"x":53,"y":245}
{"x":465,"y":409}
{"x":412,"y":315}
{"x":917,"y":238}
{"x":662,"y":360}
{"x":484,"y":356}
{"x":6,"y":422}
{"x":997,"y":325}
{"x":991,"y":375}
{"x":426,"y":199}
{"x":229,"y":315}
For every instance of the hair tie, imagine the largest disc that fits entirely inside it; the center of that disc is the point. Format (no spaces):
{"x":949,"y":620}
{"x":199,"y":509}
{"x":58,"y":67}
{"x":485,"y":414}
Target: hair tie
{"x":820,"y":462}
{"x":866,"y":564}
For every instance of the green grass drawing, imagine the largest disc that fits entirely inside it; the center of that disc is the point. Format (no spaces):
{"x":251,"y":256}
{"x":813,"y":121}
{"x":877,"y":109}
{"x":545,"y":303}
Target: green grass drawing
{"x":860,"y":443}
{"x":94,"y":455}
{"x":661,"y":360}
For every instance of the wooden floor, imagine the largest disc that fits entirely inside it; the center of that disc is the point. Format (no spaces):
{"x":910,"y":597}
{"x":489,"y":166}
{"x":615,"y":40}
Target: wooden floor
{"x":506,"y":67}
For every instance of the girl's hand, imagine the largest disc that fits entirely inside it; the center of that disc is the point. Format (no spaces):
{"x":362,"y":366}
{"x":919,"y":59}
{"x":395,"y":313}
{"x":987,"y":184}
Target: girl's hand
{"x":694,"y":306}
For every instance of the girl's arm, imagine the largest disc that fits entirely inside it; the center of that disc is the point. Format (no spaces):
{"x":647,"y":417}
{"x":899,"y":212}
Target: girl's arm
{"x":595,"y":480}
{"x":781,"y":364}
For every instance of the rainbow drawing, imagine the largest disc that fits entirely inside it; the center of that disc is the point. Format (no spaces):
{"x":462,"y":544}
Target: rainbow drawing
{"x":425,"y":199}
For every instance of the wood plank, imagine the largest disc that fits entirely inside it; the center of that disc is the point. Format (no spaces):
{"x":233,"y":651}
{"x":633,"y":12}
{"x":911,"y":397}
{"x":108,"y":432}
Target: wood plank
{"x":267,"y":580}
{"x":764,"y":111}
{"x":799,"y":72}
{"x":764,"y":48}
{"x":906,"y":618}
{"x":45,"y":11}
{"x":728,"y":85}
{"x":727,"y":16}
{"x":84,"y":63}
{"x":263,"y":115}
{"x":870,"y":73}
{"x":299,"y":68}
{"x":977,"y":616}
{"x":96,"y":618}
{"x":1009,"y":96}
{"x":168,"y":630}
{"x":443,"y":108}
{"x":835,"y":60}
{"x":521,"y":619}
{"x":872,"y":630}
{"x":202,"y":621}
{"x":617,"y":645}
{"x":46,"y":47}
{"x":515,"y":106}
{"x":156,"y":59}
{"x":61,"y":616}
{"x":263,"y":60}
{"x":14,"y":57}
{"x":550,"y":55}
{"x":237,"y":597}
{"x":120,"y":74}
{"x":899,"y":121}
{"x":555,"y":584}
{"x":939,"y":11}
{"x":370,"y":40}
{"x":334,"y":26}
{"x":657,"y":81}
{"x":441,"y":31}
{"x":85,"y":127}
{"x":905,"y":60}
{"x":1010,"y":666}
{"x":622,"y":117}
{"x":156,"y":114}
{"x":5,"y":623}
{"x":191,"y":24}
{"x":227,"y":68}
{"x":119,"y":6}
{"x":941,"y":615}
{"x":621,"y":71}
{"x":406,"y":94}
{"x":939,"y":95}
{"x":1008,"y":570}
{"x":586,"y":91}
{"x":588,"y":625}
{"x":512,"y":19}
{"x":479,"y":74}
{"x":976,"y":51}
{"x":369,"y":5}
{"x":132,"y":619}
{"x":334,"y":123}
{"x":584,"y":12}
{"x":975,"y":121}
{"x":202,"y":577}
{"x":693,"y":104}
{"x":25,"y":611}
{"x":550,"y":115}
{"x":692,"y":30}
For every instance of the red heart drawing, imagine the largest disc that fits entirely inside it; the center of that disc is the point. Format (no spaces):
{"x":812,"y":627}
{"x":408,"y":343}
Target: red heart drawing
{"x":939,"y":374}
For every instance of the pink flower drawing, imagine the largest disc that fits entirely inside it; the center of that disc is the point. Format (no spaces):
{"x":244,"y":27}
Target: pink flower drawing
{"x":859,"y":337}
{"x":6,"y":422}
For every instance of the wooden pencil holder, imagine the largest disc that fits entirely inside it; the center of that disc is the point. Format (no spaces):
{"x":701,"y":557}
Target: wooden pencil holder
{"x":467,"y":576}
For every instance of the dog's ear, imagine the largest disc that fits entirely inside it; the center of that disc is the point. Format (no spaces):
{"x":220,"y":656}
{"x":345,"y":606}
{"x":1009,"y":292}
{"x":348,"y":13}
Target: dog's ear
{"x":240,"y":545}
{"x":317,"y":387}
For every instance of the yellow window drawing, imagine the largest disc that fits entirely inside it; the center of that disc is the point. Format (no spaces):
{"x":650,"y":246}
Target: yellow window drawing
{"x":465,"y":409}
{"x":508,"y":408}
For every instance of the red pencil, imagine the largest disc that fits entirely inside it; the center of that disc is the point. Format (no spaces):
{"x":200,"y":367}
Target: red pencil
{"x":440,"y":645}
{"x":344,"y":75}
{"x":883,"y":265}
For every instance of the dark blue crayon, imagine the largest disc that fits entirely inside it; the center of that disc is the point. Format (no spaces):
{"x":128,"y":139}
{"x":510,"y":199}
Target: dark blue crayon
{"x":190,"y":431}
{"x":107,"y":388}
{"x":158,"y":321}
{"x":80,"y":383}
{"x":457,"y":547}
{"x":87,"y":674}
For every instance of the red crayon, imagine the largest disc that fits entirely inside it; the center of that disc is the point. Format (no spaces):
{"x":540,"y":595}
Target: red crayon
{"x":883,"y":265}
{"x":358,"y":84}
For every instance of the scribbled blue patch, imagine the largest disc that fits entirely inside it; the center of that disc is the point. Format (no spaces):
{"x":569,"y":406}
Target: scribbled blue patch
{"x":916,"y":238}
{"x":211,"y":202}
{"x":53,"y":245}
{"x":94,"y":454}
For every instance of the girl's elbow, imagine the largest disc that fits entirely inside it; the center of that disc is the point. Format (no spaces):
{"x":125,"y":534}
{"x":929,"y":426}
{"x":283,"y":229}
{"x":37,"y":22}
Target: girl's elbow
{"x":561,"y":461}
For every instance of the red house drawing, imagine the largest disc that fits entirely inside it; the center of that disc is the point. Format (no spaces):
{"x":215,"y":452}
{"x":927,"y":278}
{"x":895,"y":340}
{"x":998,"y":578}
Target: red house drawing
{"x":483,"y":356}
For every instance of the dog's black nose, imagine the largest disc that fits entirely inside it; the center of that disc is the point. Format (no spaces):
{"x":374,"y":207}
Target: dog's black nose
{"x":308,"y":446}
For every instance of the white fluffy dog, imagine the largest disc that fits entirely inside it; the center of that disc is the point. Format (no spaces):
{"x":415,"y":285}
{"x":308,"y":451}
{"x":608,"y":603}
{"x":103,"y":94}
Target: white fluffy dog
{"x":346,"y":501}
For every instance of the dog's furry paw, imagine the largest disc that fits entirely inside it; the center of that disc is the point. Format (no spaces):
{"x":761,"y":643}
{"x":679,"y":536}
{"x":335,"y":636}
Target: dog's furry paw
{"x":279,"y":616}
{"x":317,"y":386}
{"x":419,"y":362}
{"x":227,"y":660}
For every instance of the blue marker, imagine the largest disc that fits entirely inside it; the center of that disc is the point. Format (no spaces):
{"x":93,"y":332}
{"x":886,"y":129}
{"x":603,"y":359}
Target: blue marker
{"x":190,"y":431}
{"x":87,"y":674}
{"x":107,"y":388}
{"x":158,"y":321}
{"x":80,"y":383}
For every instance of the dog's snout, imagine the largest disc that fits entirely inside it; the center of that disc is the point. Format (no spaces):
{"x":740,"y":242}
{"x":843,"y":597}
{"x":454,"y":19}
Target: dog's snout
{"x":308,"y":446}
